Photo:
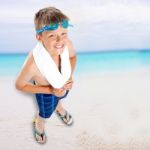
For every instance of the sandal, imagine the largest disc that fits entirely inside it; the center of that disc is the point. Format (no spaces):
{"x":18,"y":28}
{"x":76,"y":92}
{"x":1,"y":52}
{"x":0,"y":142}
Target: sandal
{"x":66,"y":118}
{"x":37,"y":133}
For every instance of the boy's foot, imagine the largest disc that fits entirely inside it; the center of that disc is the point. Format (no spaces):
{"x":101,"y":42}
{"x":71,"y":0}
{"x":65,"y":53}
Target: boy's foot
{"x":65,"y":117}
{"x":40,"y":137}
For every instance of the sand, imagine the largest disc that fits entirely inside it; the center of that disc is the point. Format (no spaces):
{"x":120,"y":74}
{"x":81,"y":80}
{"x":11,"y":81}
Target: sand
{"x":111,"y":111}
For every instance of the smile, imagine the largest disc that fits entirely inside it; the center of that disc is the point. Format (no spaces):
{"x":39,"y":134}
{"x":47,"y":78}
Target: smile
{"x":59,"y":46}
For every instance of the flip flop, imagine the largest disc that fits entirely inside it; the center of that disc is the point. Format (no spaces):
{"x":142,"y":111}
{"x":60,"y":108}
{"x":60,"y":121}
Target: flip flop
{"x":36,"y":132}
{"x":66,"y":118}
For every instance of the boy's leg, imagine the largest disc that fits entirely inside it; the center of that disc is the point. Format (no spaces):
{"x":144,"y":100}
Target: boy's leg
{"x":46,"y":104}
{"x":62,"y":113}
{"x":60,"y":108}
{"x":40,"y":125}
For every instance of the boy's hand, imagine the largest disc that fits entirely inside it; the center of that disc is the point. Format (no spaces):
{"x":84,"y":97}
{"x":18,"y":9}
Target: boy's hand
{"x":68,"y":85}
{"x":59,"y":92}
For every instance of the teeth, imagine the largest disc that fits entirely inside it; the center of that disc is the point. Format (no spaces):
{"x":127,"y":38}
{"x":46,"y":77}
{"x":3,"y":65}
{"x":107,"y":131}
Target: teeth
{"x":58,"y":46}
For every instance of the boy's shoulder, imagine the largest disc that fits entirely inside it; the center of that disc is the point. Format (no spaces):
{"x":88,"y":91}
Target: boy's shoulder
{"x":71,"y":49}
{"x":69,"y":44}
{"x":29,"y":62}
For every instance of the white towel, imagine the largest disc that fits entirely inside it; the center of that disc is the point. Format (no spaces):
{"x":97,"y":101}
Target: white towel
{"x":48,"y":67}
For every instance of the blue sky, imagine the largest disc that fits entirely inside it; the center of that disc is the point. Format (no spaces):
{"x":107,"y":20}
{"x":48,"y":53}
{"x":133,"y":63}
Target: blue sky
{"x":98,"y":24}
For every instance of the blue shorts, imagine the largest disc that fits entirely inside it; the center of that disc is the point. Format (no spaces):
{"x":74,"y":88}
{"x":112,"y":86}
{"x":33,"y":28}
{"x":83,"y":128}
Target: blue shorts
{"x":47,"y":103}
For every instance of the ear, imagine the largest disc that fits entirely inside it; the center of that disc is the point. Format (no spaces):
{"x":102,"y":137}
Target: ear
{"x":38,"y":37}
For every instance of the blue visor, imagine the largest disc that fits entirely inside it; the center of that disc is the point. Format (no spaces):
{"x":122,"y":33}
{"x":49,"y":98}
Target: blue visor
{"x":65,"y":24}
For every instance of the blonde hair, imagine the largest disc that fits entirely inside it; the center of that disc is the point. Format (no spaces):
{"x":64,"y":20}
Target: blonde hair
{"x":47,"y":16}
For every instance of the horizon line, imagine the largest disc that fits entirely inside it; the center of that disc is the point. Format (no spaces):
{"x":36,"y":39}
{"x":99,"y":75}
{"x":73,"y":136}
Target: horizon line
{"x":95,"y":51}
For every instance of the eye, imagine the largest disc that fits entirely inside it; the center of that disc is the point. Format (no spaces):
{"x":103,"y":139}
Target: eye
{"x":52,"y":35}
{"x":64,"y":33}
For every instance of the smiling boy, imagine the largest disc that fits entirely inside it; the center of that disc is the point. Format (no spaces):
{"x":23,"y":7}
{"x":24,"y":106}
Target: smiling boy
{"x":53,"y":41}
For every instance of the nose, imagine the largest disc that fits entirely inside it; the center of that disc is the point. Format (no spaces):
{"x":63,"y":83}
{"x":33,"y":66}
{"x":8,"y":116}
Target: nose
{"x":58,"y":38}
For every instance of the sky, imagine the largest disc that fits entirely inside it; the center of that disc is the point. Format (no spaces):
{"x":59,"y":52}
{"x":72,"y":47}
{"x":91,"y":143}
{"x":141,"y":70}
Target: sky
{"x":99,"y":25}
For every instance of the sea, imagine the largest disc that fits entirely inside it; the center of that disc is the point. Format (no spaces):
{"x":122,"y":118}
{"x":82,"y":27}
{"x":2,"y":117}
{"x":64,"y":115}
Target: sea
{"x":87,"y":62}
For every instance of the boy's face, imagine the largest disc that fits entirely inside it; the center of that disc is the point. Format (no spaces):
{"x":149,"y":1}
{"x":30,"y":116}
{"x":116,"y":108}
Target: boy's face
{"x":54,"y":41}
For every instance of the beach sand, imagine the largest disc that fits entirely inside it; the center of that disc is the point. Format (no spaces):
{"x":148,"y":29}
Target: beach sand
{"x":111,"y":111}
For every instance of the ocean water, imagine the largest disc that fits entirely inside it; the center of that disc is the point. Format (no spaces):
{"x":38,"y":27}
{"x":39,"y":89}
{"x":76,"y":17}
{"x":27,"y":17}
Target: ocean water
{"x":92,"y":62}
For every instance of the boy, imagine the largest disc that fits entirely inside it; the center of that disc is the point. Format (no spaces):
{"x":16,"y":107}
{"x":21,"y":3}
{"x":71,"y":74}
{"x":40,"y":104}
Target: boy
{"x":47,"y":72}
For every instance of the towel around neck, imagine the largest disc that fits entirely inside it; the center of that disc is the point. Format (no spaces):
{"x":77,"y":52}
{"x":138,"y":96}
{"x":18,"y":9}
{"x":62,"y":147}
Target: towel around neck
{"x":48,"y":67}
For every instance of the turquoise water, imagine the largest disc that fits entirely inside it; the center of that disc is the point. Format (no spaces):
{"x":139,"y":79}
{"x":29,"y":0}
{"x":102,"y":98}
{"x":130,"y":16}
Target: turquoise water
{"x":10,"y":64}
{"x":112,"y":61}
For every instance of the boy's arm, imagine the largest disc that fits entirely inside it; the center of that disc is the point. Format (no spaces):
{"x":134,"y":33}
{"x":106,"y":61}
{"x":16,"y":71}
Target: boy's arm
{"x":26,"y":86}
{"x":23,"y":81}
{"x":72,"y":56}
{"x":30,"y":88}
